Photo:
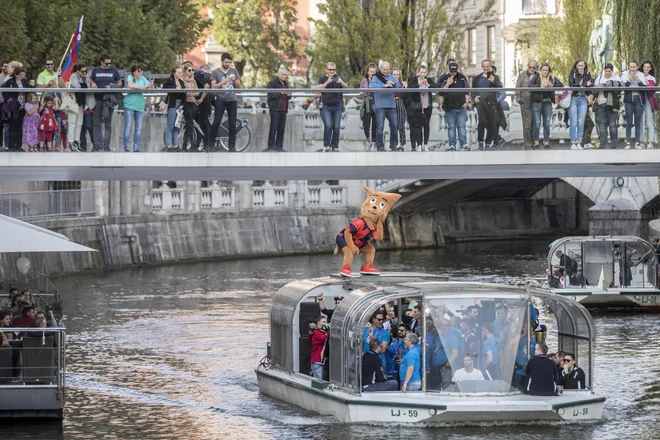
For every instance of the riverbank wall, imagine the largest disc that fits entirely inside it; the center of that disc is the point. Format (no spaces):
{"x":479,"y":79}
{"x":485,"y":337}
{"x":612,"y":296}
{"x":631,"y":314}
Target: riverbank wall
{"x":137,"y":240}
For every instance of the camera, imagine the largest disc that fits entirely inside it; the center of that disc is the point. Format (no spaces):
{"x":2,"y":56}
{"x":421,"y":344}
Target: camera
{"x":335,"y":78}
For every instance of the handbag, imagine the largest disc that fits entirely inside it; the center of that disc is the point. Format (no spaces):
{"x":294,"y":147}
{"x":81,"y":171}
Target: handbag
{"x":565,"y":100}
{"x":69,"y":102}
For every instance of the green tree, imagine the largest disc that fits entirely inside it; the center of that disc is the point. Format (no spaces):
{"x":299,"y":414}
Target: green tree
{"x":637,"y":29}
{"x":260,"y":34}
{"x":154,"y":33}
{"x":355,"y":33}
{"x":562,"y":40}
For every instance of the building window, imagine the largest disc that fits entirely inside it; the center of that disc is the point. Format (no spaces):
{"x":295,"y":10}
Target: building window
{"x":472,"y":47}
{"x":490,"y":43}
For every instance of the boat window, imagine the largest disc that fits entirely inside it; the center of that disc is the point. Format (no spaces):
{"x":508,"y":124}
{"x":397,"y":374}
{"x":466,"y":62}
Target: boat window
{"x":476,"y":345}
{"x":567,"y":268}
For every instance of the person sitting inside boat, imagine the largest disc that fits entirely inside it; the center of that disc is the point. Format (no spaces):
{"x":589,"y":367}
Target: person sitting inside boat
{"x":375,"y":330}
{"x":319,"y":338}
{"x":578,"y":279}
{"x":557,"y":358}
{"x":572,"y":376}
{"x":490,"y":352}
{"x":469,"y":338}
{"x":27,"y":318}
{"x":540,"y":373}
{"x":444,"y":349}
{"x":373,"y":377}
{"x":410,"y":370}
{"x":468,"y":372}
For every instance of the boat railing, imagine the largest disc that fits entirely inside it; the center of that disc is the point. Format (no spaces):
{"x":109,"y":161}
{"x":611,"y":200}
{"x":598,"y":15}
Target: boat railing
{"x":34,"y":358}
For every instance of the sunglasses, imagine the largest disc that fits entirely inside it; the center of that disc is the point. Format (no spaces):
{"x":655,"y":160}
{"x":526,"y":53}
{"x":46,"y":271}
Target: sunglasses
{"x":49,"y":64}
{"x":331,"y":70}
{"x":568,"y":360}
{"x":83,"y":71}
{"x":107,"y":64}
{"x":378,"y":319}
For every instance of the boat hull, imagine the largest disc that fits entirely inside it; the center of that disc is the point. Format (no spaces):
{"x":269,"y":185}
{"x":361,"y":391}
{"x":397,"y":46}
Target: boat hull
{"x":34,"y":402}
{"x":427,"y":407}
{"x":648,"y":300}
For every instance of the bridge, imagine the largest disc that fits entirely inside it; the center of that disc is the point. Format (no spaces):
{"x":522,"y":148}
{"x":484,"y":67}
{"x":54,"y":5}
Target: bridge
{"x":520,"y":164}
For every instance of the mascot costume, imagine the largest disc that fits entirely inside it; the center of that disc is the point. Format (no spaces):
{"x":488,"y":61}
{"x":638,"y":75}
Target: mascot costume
{"x":355,"y":237}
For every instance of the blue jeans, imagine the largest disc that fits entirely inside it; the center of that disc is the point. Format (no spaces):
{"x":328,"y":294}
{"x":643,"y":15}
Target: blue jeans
{"x":129,"y":117}
{"x":171,"y":132}
{"x":414,"y":386}
{"x":317,"y":370}
{"x":577,"y":112}
{"x":331,"y":116}
{"x":456,"y":120}
{"x":541,"y":111}
{"x":606,"y":118}
{"x":649,"y":128}
{"x":390,"y":114}
{"x":634,"y":110}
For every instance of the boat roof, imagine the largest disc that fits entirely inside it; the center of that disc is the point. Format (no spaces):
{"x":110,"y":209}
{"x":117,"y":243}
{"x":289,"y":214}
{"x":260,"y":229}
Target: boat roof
{"x":586,"y":238}
{"x":19,"y":236}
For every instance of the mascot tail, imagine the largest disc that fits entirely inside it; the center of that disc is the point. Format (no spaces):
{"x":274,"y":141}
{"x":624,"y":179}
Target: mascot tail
{"x":337,"y":250}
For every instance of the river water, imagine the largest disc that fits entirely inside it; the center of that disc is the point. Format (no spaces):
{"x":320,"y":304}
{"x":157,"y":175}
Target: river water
{"x":169,"y":352}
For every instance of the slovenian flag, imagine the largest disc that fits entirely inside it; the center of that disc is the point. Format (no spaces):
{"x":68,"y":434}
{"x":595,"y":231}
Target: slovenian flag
{"x":72,"y":59}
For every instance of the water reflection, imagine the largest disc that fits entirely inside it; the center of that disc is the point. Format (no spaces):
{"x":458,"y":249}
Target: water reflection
{"x":169,"y":352}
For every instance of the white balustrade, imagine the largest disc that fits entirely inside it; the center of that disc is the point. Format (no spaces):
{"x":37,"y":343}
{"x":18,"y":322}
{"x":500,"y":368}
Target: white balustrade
{"x":216,"y":197}
{"x":269,"y":196}
{"x":325,"y":196}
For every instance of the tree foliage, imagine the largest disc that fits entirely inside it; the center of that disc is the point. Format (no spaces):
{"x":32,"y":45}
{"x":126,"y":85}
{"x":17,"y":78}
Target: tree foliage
{"x":154,"y":33}
{"x":260,"y":34}
{"x":637,"y":29}
{"x":562,"y":40}
{"x":407,"y":33}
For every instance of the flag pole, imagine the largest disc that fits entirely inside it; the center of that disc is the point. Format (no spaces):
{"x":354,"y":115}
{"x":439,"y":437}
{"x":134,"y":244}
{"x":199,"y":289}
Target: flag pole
{"x":69,"y":46}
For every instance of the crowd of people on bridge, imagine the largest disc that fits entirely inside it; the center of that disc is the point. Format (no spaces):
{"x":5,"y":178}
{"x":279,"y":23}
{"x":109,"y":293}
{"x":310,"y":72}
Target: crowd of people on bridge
{"x":55,"y":121}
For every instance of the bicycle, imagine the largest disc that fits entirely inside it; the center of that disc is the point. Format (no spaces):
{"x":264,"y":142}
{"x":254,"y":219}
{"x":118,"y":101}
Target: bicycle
{"x":243,"y":134}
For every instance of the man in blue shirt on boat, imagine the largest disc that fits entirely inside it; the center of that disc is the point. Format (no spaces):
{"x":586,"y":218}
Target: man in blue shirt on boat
{"x":445,"y":354}
{"x":375,"y":330}
{"x":490,"y":353}
{"x":410,"y":371}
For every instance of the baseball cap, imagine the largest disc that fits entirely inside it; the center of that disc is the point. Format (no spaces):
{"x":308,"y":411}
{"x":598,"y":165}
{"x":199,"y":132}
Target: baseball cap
{"x":453,"y":66}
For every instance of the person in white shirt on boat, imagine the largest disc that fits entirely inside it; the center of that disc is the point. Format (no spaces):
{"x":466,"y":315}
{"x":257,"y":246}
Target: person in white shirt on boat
{"x":469,"y":372}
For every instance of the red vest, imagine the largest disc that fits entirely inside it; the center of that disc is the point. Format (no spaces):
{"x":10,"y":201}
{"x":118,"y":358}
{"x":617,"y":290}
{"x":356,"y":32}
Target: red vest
{"x":360,"y":232}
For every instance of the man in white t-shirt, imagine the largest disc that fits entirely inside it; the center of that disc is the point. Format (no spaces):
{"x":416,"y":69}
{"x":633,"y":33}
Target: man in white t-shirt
{"x":469,"y":372}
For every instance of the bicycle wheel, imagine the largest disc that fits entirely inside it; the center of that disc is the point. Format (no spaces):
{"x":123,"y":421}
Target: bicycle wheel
{"x":243,"y":137}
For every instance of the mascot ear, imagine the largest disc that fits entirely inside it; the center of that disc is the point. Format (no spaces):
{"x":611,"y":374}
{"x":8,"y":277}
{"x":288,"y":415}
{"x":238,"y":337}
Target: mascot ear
{"x":391,"y":198}
{"x":370,"y":192}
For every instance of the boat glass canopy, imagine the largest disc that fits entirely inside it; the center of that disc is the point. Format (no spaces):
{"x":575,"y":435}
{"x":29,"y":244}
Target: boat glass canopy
{"x":504,"y":329}
{"x":602,"y":262}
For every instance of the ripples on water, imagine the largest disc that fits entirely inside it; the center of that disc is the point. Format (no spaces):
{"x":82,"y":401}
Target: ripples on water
{"x":169,"y":352}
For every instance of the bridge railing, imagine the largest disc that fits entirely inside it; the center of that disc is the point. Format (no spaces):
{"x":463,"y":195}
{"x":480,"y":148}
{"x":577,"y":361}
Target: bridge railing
{"x":304,"y":132}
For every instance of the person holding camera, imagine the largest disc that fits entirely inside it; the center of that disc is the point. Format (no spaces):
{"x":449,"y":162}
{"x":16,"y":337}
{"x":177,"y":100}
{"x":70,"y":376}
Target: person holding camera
{"x":455,"y":106}
{"x":332,"y":107}
{"x":385,"y":106}
{"x":486,"y":104}
{"x":226,"y":78}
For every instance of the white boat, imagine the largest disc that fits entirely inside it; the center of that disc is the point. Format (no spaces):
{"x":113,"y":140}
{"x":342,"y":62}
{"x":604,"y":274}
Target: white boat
{"x":33,"y":367}
{"x":284,"y":373}
{"x":607,"y":272}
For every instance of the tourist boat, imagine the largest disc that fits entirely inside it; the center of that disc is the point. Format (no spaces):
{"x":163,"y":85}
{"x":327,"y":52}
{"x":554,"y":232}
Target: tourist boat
{"x":284,"y":372}
{"x":606,"y":272}
{"x":33,"y":368}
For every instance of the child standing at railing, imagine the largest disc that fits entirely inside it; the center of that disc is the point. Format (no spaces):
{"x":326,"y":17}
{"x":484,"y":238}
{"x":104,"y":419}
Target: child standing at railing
{"x":47,"y":124}
{"x":31,"y":122}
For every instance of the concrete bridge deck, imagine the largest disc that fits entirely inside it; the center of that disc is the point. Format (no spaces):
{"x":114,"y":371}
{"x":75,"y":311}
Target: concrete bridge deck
{"x":329,"y":166}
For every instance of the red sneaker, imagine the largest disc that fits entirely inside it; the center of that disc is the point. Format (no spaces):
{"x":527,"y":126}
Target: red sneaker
{"x":346,"y":271}
{"x":368,"y":270}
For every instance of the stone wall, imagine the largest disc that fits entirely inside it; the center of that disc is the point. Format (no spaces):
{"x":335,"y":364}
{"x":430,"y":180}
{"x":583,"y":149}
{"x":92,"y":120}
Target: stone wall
{"x":158,"y":239}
